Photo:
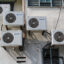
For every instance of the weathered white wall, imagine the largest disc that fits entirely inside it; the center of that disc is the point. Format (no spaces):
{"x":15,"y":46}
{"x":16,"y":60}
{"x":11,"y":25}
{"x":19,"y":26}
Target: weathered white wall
{"x":5,"y":58}
{"x":51,"y":14}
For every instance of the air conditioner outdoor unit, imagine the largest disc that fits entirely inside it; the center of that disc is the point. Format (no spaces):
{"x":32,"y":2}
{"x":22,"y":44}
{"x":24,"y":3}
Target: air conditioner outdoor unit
{"x":11,"y":38}
{"x":13,"y":18}
{"x":58,"y":37}
{"x":36,"y":23}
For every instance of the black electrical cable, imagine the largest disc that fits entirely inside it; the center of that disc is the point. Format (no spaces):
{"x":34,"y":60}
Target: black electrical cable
{"x":58,"y":18}
{"x":46,"y":32}
{"x":7,"y":28}
{"x":1,"y":27}
{"x":47,"y":35}
{"x":30,"y":34}
{"x":47,"y":45}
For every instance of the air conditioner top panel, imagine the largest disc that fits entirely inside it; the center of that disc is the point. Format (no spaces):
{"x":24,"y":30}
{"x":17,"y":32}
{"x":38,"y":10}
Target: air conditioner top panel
{"x":12,"y":31}
{"x":54,"y":31}
{"x":43,"y":17}
{"x":17,"y":13}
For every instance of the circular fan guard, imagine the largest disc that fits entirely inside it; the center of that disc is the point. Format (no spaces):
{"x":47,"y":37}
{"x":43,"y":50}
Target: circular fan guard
{"x":33,"y":23}
{"x":8,"y":37}
{"x":10,"y":18}
{"x":59,"y":36}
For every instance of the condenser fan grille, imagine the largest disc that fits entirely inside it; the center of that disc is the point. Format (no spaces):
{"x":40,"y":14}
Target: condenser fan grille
{"x":59,"y":36}
{"x":10,"y":18}
{"x":1,"y":10}
{"x":8,"y":37}
{"x":33,"y":23}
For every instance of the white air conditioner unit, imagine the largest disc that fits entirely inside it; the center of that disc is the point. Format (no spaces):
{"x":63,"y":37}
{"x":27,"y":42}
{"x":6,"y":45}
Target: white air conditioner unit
{"x":4,"y":8}
{"x":58,"y":37}
{"x":13,"y":18}
{"x":36,"y":23}
{"x":11,"y":38}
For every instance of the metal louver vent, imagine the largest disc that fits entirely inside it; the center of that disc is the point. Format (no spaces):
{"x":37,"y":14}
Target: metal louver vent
{"x":33,"y":2}
{"x":8,"y":37}
{"x":10,"y":18}
{"x":47,"y":3}
{"x":59,"y":36}
{"x":33,"y":23}
{"x":57,"y":2}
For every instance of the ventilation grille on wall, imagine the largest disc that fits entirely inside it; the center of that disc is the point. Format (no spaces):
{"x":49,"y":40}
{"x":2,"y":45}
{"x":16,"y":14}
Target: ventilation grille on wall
{"x":57,"y":2}
{"x":33,"y":2}
{"x":45,"y":3}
